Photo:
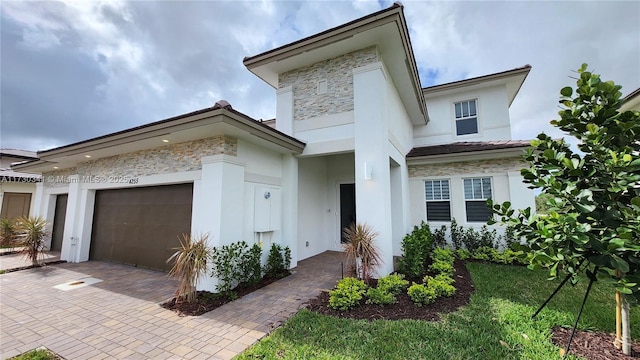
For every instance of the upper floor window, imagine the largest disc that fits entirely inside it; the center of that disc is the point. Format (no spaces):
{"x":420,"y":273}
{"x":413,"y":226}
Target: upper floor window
{"x":466,"y":117}
{"x":476,"y":193}
{"x":438,"y":200}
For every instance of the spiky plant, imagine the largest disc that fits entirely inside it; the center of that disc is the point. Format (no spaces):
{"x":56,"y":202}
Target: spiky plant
{"x":31,"y":234}
{"x":361,"y":250}
{"x":190,"y":264}
{"x":8,"y":232}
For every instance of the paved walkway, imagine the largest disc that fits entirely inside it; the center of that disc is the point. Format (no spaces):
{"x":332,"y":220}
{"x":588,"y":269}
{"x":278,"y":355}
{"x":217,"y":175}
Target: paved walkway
{"x":16,"y":260}
{"x":119,"y":317}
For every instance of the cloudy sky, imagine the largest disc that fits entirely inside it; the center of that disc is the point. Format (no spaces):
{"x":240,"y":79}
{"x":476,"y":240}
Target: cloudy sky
{"x":72,"y":70}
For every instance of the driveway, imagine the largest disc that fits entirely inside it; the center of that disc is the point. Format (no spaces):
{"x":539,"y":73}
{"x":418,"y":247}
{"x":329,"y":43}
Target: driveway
{"x":112,"y":311}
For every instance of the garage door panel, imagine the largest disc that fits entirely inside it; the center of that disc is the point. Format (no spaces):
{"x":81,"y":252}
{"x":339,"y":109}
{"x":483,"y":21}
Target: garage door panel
{"x":140,"y":226}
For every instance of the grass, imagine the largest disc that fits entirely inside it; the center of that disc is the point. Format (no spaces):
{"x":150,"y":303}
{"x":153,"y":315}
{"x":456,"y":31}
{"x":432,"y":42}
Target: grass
{"x":496,"y":324}
{"x":38,"y":354}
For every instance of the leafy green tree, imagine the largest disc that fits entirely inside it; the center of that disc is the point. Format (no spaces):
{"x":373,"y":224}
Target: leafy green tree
{"x":541,"y":203}
{"x":593,"y":218}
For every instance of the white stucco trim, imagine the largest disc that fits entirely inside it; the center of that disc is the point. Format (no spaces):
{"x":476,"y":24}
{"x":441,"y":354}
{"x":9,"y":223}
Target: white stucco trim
{"x":329,"y":147}
{"x":262,"y":179}
{"x":324,"y":121}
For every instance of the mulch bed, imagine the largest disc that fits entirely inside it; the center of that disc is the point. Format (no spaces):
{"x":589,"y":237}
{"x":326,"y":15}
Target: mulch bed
{"x":33,"y":266}
{"x":592,"y":345}
{"x":404,"y":308}
{"x":207,"y":301}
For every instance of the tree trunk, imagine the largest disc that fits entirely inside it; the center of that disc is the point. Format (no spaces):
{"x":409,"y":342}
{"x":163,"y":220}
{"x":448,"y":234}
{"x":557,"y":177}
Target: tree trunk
{"x":626,"y":328}
{"x":618,"y":341}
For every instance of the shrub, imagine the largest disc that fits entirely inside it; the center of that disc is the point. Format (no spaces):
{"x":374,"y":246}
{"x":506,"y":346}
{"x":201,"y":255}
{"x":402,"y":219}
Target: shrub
{"x":509,"y":237}
{"x":488,"y":238}
{"x":227,"y":266}
{"x":441,"y":267}
{"x":252,"y":265}
{"x":8,"y":232}
{"x":416,"y":247}
{"x":278,"y":262}
{"x":393,"y":283}
{"x":440,"y":237}
{"x":361,"y":250}
{"x":380,"y":296}
{"x":485,"y":253}
{"x":441,"y":286}
{"x":421,"y":295}
{"x":444,"y":278}
{"x":457,"y":233}
{"x":463,"y":254}
{"x":443,"y":254}
{"x":31,"y":233}
{"x":190,"y":264}
{"x":347,"y":294}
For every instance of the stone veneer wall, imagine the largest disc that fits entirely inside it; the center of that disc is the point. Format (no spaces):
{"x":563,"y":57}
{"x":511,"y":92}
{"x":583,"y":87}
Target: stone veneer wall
{"x":163,"y":160}
{"x":307,"y":103}
{"x":466,"y":167}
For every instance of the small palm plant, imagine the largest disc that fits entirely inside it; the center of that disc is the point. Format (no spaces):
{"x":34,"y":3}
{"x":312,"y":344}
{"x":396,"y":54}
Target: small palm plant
{"x":190,"y":264}
{"x":8,"y":232}
{"x":361,"y":250}
{"x":31,"y":234}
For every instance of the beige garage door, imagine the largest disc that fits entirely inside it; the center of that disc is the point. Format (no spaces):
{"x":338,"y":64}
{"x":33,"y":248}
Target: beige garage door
{"x":15,"y":205}
{"x":140,"y":226}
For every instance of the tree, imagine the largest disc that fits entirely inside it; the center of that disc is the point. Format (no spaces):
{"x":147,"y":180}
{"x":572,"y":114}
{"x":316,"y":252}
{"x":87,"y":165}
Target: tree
{"x":31,"y":234}
{"x":593,"y":218}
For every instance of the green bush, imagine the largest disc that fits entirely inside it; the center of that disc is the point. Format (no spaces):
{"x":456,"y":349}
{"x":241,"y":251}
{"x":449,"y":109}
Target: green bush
{"x":228,"y":266}
{"x":440,"y":286}
{"x":463,"y":254}
{"x":380,"y":296}
{"x":444,"y":278}
{"x":393,"y":283}
{"x":347,"y":294}
{"x":278,"y":262}
{"x":486,"y":253}
{"x":443,"y":254}
{"x":440,"y":237}
{"x":441,"y":267}
{"x":416,"y":247}
{"x":457,"y":233}
{"x":251,"y":263}
{"x":421,"y":295}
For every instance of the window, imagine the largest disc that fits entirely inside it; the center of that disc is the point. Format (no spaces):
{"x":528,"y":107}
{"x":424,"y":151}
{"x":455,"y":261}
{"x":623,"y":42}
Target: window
{"x":437,"y":197}
{"x":466,"y":117}
{"x":476,"y":193}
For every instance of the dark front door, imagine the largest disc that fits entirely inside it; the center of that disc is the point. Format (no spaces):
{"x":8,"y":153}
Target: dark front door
{"x":58,"y":222}
{"x":15,"y":205}
{"x":140,"y":226}
{"x":347,"y":206}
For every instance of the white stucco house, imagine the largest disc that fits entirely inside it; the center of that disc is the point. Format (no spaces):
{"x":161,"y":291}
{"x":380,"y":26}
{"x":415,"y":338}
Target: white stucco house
{"x":356,"y":137}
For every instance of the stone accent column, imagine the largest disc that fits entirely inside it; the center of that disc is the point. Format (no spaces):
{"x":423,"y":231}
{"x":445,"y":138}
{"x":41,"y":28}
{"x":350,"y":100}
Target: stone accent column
{"x":218,"y":199}
{"x":373,"y":195}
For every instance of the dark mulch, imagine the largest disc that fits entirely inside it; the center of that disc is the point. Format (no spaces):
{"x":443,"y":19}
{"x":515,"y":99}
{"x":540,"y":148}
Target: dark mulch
{"x":404,"y":308}
{"x":592,"y":345}
{"x":207,"y":301}
{"x":33,"y":266}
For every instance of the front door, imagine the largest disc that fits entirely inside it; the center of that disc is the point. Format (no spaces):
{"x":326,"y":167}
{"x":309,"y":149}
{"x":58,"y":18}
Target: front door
{"x":347,"y":206}
{"x":58,"y":222}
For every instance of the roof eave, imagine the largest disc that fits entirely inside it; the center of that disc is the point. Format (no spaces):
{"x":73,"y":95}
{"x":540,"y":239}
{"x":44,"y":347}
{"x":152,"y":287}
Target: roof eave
{"x":467,"y":156}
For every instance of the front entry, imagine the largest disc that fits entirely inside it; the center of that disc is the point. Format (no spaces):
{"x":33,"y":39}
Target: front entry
{"x":59,"y":217}
{"x":347,"y":206}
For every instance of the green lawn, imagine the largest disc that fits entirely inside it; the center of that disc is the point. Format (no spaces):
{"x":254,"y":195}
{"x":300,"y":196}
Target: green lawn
{"x":496,"y":325}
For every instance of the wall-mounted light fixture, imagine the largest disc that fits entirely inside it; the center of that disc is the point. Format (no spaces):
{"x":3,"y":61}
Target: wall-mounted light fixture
{"x":367,"y":171}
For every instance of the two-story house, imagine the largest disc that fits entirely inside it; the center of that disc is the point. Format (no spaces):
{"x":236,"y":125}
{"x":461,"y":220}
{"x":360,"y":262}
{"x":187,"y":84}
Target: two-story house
{"x":356,"y":138}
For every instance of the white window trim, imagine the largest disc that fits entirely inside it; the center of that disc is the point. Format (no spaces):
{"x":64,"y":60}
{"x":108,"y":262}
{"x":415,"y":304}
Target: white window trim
{"x":424,"y":188}
{"x":454,"y":129}
{"x":464,"y":197}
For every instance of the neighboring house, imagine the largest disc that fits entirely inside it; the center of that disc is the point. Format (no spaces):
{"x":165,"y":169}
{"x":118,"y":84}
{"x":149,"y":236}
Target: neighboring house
{"x":356,"y":137}
{"x":17,"y":189}
{"x":631,"y":101}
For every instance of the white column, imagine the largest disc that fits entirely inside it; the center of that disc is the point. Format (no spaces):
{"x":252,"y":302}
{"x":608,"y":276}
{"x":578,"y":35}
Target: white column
{"x":290,"y":205}
{"x":69,"y":238}
{"x":373,"y":193}
{"x":218,"y":205}
{"x":284,"y":110}
{"x":84,"y":223}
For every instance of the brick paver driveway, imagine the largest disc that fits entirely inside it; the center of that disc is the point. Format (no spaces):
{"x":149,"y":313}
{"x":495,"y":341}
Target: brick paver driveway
{"x":119,"y":317}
